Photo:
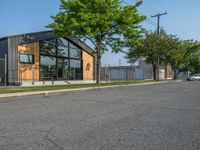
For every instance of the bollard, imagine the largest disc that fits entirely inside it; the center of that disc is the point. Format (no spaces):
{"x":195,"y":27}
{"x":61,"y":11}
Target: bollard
{"x":52,"y":81}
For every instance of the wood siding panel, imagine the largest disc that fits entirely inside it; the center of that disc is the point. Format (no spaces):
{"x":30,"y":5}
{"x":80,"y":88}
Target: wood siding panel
{"x":29,"y":72}
{"x":88,"y":66}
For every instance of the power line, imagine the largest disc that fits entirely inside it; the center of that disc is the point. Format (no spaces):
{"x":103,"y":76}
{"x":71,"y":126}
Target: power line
{"x":148,"y":20}
{"x":158,"y":23}
{"x":174,"y":22}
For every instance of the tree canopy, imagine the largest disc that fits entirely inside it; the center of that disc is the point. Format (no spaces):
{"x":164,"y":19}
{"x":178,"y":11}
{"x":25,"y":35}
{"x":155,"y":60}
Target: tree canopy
{"x":191,"y":58}
{"x":153,"y":45}
{"x":182,"y":55}
{"x":105,"y":23}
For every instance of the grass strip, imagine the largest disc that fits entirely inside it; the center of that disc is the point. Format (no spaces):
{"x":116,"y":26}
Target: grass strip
{"x":11,"y":89}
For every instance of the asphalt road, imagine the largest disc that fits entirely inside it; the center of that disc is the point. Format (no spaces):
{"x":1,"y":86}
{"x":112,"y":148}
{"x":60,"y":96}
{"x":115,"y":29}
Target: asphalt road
{"x":150,"y":117}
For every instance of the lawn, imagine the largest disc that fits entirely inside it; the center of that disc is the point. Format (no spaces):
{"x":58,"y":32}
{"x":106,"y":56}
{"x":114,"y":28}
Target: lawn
{"x":15,"y":89}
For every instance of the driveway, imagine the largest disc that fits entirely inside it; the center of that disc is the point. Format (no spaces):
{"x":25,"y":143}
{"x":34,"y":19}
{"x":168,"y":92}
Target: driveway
{"x":148,"y":117}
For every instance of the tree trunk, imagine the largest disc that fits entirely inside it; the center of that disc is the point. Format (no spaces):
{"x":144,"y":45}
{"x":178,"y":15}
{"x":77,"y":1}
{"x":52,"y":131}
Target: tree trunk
{"x":98,"y":69}
{"x":154,"y":71}
{"x":158,"y":68}
{"x":175,"y":75}
{"x":166,"y":71}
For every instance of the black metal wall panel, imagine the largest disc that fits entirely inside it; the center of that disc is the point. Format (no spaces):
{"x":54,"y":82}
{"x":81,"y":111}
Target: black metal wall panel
{"x":3,"y":52}
{"x":2,"y":71}
{"x":3,"y":47}
{"x":13,"y":43}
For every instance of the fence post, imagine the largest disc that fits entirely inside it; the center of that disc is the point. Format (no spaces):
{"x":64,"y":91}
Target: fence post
{"x":13,"y":77}
{"x":127,"y":74}
{"x":33,"y":77}
{"x":52,"y":81}
{"x":110,"y":73}
{"x":21,"y":76}
{"x":5,"y":70}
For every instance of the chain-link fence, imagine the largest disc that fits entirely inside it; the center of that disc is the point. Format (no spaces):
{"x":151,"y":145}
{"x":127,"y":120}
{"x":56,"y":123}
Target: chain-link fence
{"x":125,"y":73}
{"x":117,"y":73}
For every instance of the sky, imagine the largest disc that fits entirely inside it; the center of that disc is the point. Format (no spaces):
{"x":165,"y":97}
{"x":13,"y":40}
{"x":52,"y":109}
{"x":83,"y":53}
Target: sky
{"x":23,"y":16}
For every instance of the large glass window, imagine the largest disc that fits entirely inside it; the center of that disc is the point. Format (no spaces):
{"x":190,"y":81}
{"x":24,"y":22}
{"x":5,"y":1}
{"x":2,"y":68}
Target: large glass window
{"x":48,"y":67}
{"x":75,"y":52}
{"x":26,"y":58}
{"x":75,"y":69}
{"x":62,"y":47}
{"x":48,"y":47}
{"x":60,"y":59}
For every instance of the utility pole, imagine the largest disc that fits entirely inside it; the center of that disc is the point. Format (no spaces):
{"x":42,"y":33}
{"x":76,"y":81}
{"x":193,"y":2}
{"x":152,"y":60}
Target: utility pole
{"x":158,"y":33}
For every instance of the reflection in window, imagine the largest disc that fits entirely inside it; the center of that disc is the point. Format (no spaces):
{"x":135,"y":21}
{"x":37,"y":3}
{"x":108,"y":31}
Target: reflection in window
{"x":48,"y":67}
{"x":62,"y":68}
{"x":48,"y":47}
{"x":75,"y":52}
{"x":62,"y":47}
{"x":75,"y":69}
{"x":26,"y":58}
{"x":55,"y":60}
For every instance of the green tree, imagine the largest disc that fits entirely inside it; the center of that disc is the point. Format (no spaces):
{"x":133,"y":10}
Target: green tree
{"x":152,"y":47}
{"x":196,"y":62}
{"x":106,"y":23}
{"x":191,"y":61}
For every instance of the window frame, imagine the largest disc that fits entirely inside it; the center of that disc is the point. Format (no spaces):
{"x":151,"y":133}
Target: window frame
{"x":22,"y":62}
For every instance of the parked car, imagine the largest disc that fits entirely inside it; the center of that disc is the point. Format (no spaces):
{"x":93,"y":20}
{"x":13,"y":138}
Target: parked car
{"x":194,"y":77}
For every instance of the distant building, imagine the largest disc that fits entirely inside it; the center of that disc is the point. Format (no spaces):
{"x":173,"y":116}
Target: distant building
{"x":142,"y":71}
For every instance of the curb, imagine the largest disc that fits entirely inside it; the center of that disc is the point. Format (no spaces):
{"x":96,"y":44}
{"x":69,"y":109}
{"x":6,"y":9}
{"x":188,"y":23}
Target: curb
{"x":21,"y":94}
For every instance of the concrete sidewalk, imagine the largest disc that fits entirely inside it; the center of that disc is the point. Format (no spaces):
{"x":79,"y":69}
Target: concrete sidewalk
{"x":7,"y":95}
{"x":47,"y":83}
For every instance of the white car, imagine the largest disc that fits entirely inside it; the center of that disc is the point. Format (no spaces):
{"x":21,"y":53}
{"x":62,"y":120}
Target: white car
{"x":194,"y":77}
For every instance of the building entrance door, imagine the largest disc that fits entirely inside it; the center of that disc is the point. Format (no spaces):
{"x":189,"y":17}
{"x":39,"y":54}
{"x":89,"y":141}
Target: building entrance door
{"x":60,"y":71}
{"x":62,"y":68}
